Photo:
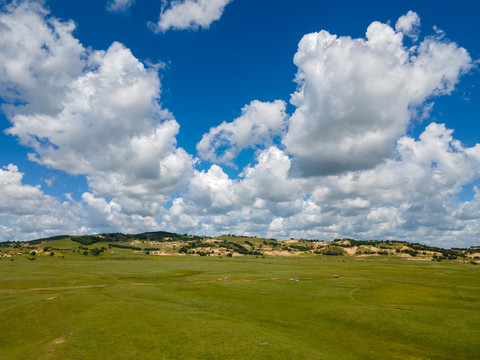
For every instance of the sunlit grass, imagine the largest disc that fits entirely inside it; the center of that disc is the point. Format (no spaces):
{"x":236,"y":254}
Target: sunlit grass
{"x":126,"y":307}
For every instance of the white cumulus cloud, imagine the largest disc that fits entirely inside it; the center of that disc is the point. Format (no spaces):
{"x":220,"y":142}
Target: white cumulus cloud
{"x":111,"y":216}
{"x":259,"y":123}
{"x":89,"y":112}
{"x":412,"y":196}
{"x":39,"y":57}
{"x":355,"y":96}
{"x":409,"y":25}
{"x":97,"y":113}
{"x":27,"y":213}
{"x":269,"y":178}
{"x":190,"y":14}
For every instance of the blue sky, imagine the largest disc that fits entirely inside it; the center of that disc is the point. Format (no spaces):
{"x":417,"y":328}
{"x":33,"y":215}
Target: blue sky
{"x":283,"y":119}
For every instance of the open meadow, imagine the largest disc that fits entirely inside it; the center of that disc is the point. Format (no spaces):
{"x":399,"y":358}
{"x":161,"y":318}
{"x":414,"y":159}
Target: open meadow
{"x":134,"y":306}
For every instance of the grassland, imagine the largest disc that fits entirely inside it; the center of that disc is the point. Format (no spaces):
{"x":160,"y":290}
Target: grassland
{"x":128,"y":305}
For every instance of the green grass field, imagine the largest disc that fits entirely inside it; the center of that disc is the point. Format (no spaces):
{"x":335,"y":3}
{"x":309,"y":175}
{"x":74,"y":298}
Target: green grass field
{"x":123,"y":306}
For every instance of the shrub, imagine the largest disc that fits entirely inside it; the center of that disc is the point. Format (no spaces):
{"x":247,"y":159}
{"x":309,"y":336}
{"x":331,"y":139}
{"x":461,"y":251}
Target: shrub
{"x":96,"y":251}
{"x":300,"y":247}
{"x":333,"y":251}
{"x":410,"y":252}
{"x":124,"y":246}
{"x":183,"y":249}
{"x":86,"y":239}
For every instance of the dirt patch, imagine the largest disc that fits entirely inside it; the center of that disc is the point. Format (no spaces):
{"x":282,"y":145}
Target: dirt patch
{"x":281,"y":253}
{"x":212,"y":241}
{"x":351,"y":250}
{"x":59,"y":340}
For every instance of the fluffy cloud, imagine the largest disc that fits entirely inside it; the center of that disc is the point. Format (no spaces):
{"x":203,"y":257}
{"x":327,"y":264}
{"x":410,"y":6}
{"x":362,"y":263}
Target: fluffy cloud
{"x":97,"y":113}
{"x":27,"y":213}
{"x":259,"y":123}
{"x":216,"y":203}
{"x":111,"y":216}
{"x":18,"y":199}
{"x":422,"y":184}
{"x":266,"y":182}
{"x":366,"y":179}
{"x":355,"y":96}
{"x":409,"y":25}
{"x":190,"y":14}
{"x":469,"y":210}
{"x":101,"y":115}
{"x":39,"y":57}
{"x":269,"y":178}
{"x":119,"y":5}
{"x":214,"y":191}
{"x":412,"y":197}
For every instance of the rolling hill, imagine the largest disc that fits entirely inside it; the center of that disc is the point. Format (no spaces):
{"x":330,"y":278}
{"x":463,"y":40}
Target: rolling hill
{"x":163,"y":243}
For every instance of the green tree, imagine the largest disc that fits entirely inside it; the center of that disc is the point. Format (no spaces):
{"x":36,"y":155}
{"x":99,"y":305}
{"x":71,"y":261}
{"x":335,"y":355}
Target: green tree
{"x":96,"y":251}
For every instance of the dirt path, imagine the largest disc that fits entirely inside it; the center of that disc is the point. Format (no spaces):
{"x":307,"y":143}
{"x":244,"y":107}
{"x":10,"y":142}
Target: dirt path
{"x":60,"y":288}
{"x":52,"y":289}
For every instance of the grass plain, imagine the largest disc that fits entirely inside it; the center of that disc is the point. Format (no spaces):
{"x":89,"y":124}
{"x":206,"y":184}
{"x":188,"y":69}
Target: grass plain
{"x":134,"y":306}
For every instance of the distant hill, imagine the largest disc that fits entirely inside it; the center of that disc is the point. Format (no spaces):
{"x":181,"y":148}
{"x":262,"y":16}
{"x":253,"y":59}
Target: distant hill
{"x":163,"y":243}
